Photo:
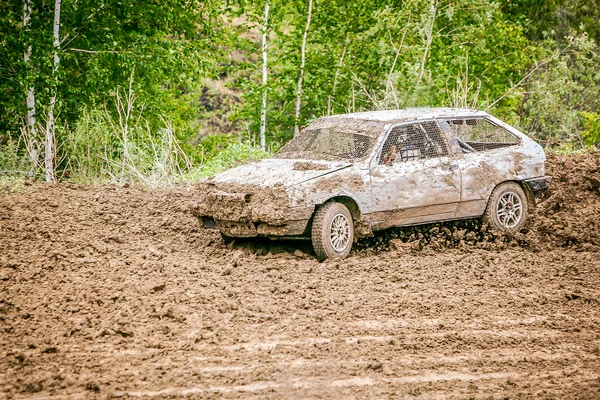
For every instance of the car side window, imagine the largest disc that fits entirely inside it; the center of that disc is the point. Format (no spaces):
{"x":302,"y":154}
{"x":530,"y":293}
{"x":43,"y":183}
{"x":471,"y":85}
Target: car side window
{"x":479,"y":134}
{"x":412,"y":142}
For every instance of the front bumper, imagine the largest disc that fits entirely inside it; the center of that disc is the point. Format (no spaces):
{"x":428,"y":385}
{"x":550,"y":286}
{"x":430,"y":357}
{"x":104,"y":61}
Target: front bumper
{"x":539,"y":186}
{"x":239,"y":210}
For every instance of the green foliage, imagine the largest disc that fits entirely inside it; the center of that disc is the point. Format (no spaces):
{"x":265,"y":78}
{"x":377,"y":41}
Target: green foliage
{"x":591,"y":128}
{"x":105,"y":148}
{"x":232,"y":155}
{"x":374,"y":55}
{"x":12,"y":77}
{"x":194,"y":66}
{"x":90,"y":148}
{"x":167,"y":45}
{"x":568,"y":149}
{"x":560,"y":93}
{"x":14,"y":160}
{"x":554,"y":19}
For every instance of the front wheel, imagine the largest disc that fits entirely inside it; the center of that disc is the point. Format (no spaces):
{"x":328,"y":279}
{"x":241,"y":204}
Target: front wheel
{"x":332,"y":231}
{"x":507,"y":207}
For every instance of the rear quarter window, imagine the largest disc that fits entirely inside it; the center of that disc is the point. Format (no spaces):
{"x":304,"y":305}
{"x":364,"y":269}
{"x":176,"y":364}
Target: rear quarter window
{"x":478,"y":135}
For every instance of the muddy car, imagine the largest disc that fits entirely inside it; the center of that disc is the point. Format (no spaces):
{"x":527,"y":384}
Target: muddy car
{"x":346,"y":176}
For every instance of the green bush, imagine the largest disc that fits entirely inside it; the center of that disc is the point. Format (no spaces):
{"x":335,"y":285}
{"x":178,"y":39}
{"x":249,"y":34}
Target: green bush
{"x":233,"y":155}
{"x":591,"y":128}
{"x":560,"y":103}
{"x":14,"y":160}
{"x":121,"y":147}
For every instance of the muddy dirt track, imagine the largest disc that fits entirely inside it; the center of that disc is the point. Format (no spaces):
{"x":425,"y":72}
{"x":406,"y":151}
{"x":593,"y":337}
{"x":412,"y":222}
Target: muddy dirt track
{"x":116,"y":292}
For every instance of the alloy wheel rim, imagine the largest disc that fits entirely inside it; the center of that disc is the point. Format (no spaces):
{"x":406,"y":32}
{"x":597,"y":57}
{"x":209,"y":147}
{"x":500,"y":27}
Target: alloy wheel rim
{"x":509,"y":210}
{"x":339,"y":236}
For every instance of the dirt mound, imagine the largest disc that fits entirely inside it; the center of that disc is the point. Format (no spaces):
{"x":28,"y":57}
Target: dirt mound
{"x":569,"y":214}
{"x":117,"y":292}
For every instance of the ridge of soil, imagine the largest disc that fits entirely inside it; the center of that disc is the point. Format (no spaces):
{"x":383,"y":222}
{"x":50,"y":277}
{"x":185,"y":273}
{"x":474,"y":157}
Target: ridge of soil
{"x":113,"y":291}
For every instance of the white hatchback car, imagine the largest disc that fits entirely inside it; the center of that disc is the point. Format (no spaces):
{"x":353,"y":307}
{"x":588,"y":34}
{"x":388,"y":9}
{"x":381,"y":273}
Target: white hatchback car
{"x":345,"y":176}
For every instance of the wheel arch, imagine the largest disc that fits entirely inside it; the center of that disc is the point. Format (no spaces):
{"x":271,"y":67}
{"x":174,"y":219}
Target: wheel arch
{"x":362,"y":227}
{"x":491,"y":218}
{"x":528,"y":193}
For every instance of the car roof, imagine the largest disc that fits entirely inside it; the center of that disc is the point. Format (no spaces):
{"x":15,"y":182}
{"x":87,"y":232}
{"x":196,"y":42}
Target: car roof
{"x":409,"y":114}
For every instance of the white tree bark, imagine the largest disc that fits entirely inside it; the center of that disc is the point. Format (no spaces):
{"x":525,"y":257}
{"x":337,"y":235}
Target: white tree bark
{"x":433,"y":10}
{"x":302,"y":64}
{"x":50,"y":135}
{"x":30,"y":130}
{"x":263,"y":110}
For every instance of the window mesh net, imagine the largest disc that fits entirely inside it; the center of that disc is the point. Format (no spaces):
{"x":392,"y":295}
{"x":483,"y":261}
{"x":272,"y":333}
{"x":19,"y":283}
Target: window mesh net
{"x":413,"y":142}
{"x":477,"y":135}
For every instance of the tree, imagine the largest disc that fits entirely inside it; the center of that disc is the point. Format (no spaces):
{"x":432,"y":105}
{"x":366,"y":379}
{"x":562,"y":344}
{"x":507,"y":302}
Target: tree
{"x":49,"y":154}
{"x":302,"y":65}
{"x":30,"y":119}
{"x":263,"y":110}
{"x":69,"y":56}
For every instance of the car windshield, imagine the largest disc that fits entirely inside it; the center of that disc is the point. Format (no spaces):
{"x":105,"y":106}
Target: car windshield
{"x":333,"y":139}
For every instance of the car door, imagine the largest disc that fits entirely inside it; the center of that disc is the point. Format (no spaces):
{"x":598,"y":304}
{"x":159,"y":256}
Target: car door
{"x":414,"y":177}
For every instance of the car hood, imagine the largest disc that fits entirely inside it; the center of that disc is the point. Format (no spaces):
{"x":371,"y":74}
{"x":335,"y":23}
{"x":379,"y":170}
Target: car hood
{"x":272,"y":171}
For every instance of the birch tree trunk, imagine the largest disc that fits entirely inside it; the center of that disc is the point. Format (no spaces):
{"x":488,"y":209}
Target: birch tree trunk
{"x":263,"y":110}
{"x":30,"y":130}
{"x":50,"y":136}
{"x":434,"y":7}
{"x":302,"y":64}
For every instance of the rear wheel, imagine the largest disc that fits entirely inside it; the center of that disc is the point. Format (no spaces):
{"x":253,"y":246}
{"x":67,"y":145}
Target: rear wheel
{"x":332,"y":231}
{"x":507,"y":207}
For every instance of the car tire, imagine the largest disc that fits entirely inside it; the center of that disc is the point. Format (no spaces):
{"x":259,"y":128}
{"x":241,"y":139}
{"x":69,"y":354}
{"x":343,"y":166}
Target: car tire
{"x":332,"y":231}
{"x":507,"y":208}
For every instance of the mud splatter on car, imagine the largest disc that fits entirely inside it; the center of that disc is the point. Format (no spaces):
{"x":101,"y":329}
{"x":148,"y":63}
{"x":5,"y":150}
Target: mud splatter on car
{"x":380,"y":169}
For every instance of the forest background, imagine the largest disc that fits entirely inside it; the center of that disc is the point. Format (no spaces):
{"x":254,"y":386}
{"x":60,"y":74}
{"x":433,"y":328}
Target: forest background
{"x":160,"y":91}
